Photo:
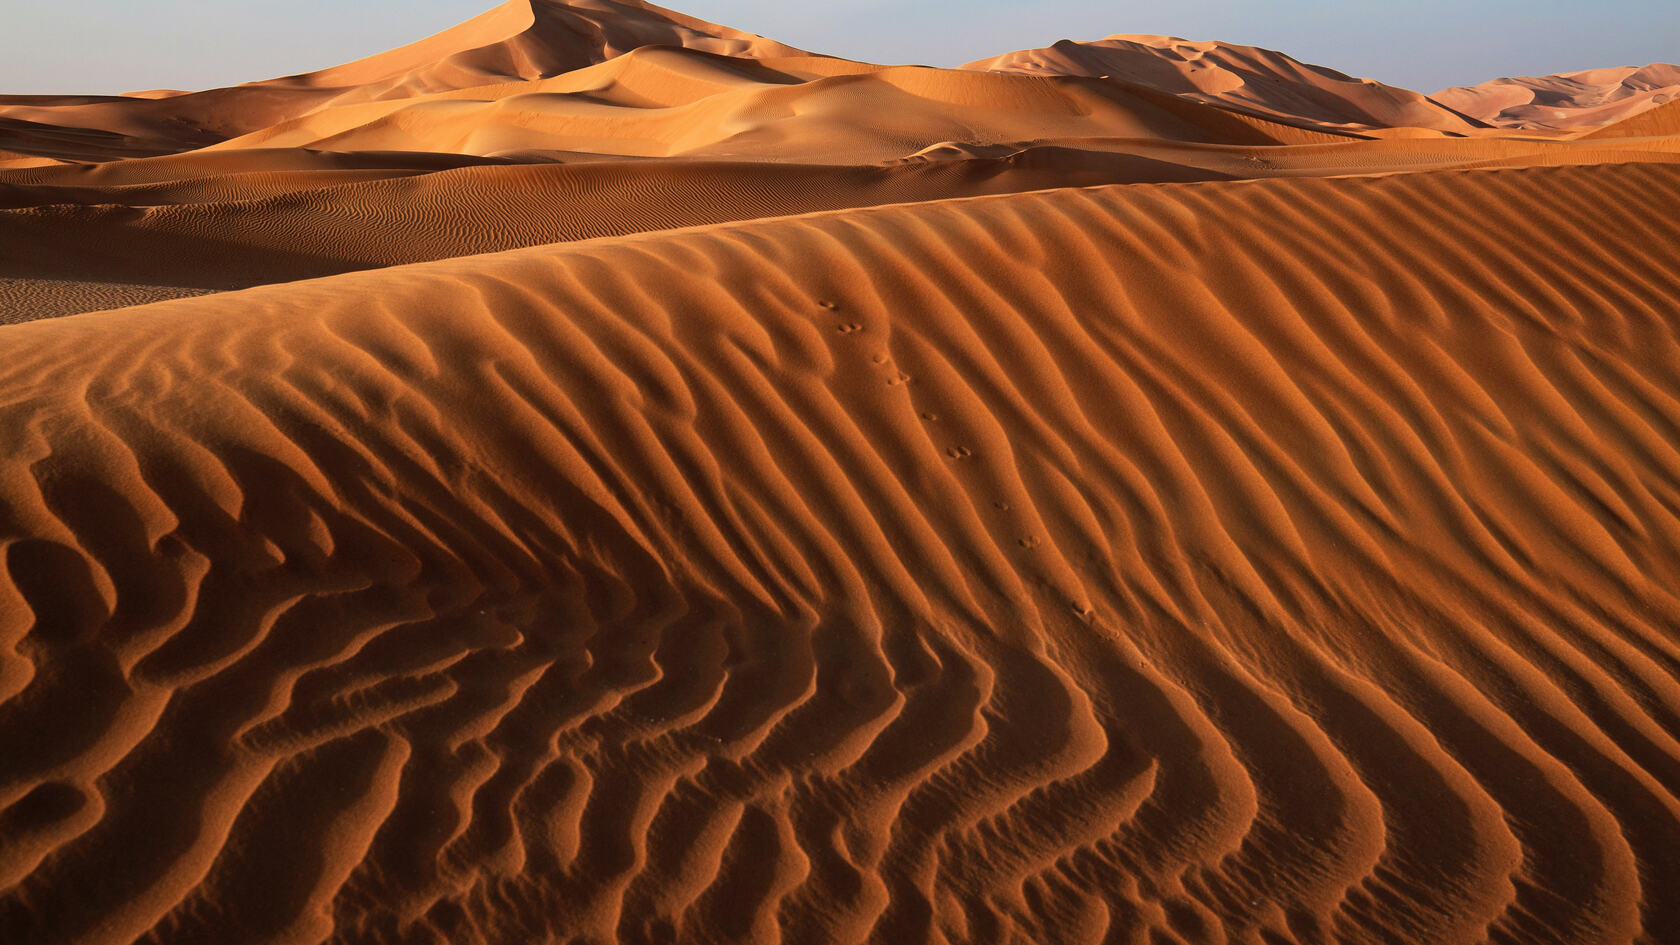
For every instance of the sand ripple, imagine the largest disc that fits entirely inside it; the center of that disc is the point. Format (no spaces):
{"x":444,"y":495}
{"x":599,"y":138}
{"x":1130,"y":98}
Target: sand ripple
{"x":1287,"y":561}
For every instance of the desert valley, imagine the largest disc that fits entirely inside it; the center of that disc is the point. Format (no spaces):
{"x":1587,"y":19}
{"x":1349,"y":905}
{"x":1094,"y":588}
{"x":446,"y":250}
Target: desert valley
{"x":596,"y":476}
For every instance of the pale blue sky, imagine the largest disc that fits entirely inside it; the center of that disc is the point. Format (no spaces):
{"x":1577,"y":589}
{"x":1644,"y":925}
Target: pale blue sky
{"x":105,"y":46}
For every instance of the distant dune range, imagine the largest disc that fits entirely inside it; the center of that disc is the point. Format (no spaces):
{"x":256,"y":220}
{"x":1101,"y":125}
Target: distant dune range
{"x":1138,"y":491}
{"x":1572,"y":100}
{"x":1259,"y":80}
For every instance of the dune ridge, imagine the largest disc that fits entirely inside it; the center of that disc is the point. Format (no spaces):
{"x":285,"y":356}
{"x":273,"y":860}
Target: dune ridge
{"x":1662,"y":121}
{"x":665,"y":102}
{"x":1263,"y":81}
{"x":520,"y":39}
{"x":232,"y":219}
{"x":1568,"y":100}
{"x":1285,"y":560}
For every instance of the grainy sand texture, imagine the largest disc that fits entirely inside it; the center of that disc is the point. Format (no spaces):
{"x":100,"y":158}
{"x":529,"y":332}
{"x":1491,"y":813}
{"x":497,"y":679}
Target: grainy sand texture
{"x":593,"y":476}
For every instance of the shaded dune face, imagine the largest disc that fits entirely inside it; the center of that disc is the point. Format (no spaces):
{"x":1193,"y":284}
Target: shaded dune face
{"x":1289,"y":561}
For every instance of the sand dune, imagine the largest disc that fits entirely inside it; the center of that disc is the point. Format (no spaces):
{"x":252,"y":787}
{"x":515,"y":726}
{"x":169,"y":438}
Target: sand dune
{"x":1662,"y":122}
{"x":527,"y":39}
{"x":1568,"y":100}
{"x":595,"y":476}
{"x":216,"y":221}
{"x":521,"y":39}
{"x":662,"y":102}
{"x":1259,"y":80}
{"x":307,"y":227}
{"x":29,"y":299}
{"x":1279,"y":561}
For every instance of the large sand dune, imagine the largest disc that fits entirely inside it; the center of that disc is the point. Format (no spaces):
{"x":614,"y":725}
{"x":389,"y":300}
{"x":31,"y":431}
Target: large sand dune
{"x":1568,"y":100}
{"x":521,"y":39}
{"x":1262,"y":80}
{"x":633,"y":481}
{"x":967,"y":570}
{"x":1272,"y":83}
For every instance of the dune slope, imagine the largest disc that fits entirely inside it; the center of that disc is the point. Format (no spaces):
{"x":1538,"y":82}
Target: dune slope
{"x":1660,"y":122}
{"x":1285,"y":561}
{"x":77,"y":238}
{"x":1568,"y":100}
{"x":661,"y":102}
{"x":520,"y":39}
{"x":306,"y":224}
{"x":1259,"y":80}
{"x":528,"y":39}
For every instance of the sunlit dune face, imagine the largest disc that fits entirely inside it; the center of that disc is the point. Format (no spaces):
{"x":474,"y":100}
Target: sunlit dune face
{"x":594,"y":475}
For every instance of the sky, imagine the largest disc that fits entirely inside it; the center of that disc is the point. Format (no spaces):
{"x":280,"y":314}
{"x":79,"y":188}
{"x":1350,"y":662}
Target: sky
{"x":106,"y":47}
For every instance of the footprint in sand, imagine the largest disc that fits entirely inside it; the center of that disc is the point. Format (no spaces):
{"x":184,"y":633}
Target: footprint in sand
{"x":849,"y":328}
{"x":930,"y":416}
{"x":902,"y":378}
{"x":1031,"y":541}
{"x":831,"y":306}
{"x":959,"y":452}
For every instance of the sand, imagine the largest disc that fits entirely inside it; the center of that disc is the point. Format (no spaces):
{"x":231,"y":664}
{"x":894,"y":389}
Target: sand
{"x":1571,"y":100}
{"x":777,"y":518}
{"x":1263,"y":81}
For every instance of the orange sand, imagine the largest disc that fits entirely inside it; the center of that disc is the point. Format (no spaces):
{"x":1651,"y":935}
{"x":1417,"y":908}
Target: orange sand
{"x":715,"y":493}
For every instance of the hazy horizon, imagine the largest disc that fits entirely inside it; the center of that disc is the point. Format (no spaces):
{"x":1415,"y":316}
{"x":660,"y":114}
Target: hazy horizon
{"x":105,"y":48}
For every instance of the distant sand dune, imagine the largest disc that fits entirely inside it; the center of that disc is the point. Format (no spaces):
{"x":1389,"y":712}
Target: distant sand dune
{"x":1287,"y":561}
{"x":662,"y":102}
{"x":1571,"y":100}
{"x":520,"y":39}
{"x":1663,"y":121}
{"x":1259,"y":80}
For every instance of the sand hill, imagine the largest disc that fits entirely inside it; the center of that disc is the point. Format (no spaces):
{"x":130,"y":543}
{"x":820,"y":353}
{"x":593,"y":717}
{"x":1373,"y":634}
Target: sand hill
{"x":521,"y":39}
{"x":1658,"y":123}
{"x":596,"y":476}
{"x":1259,"y":80}
{"x":1568,"y":100}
